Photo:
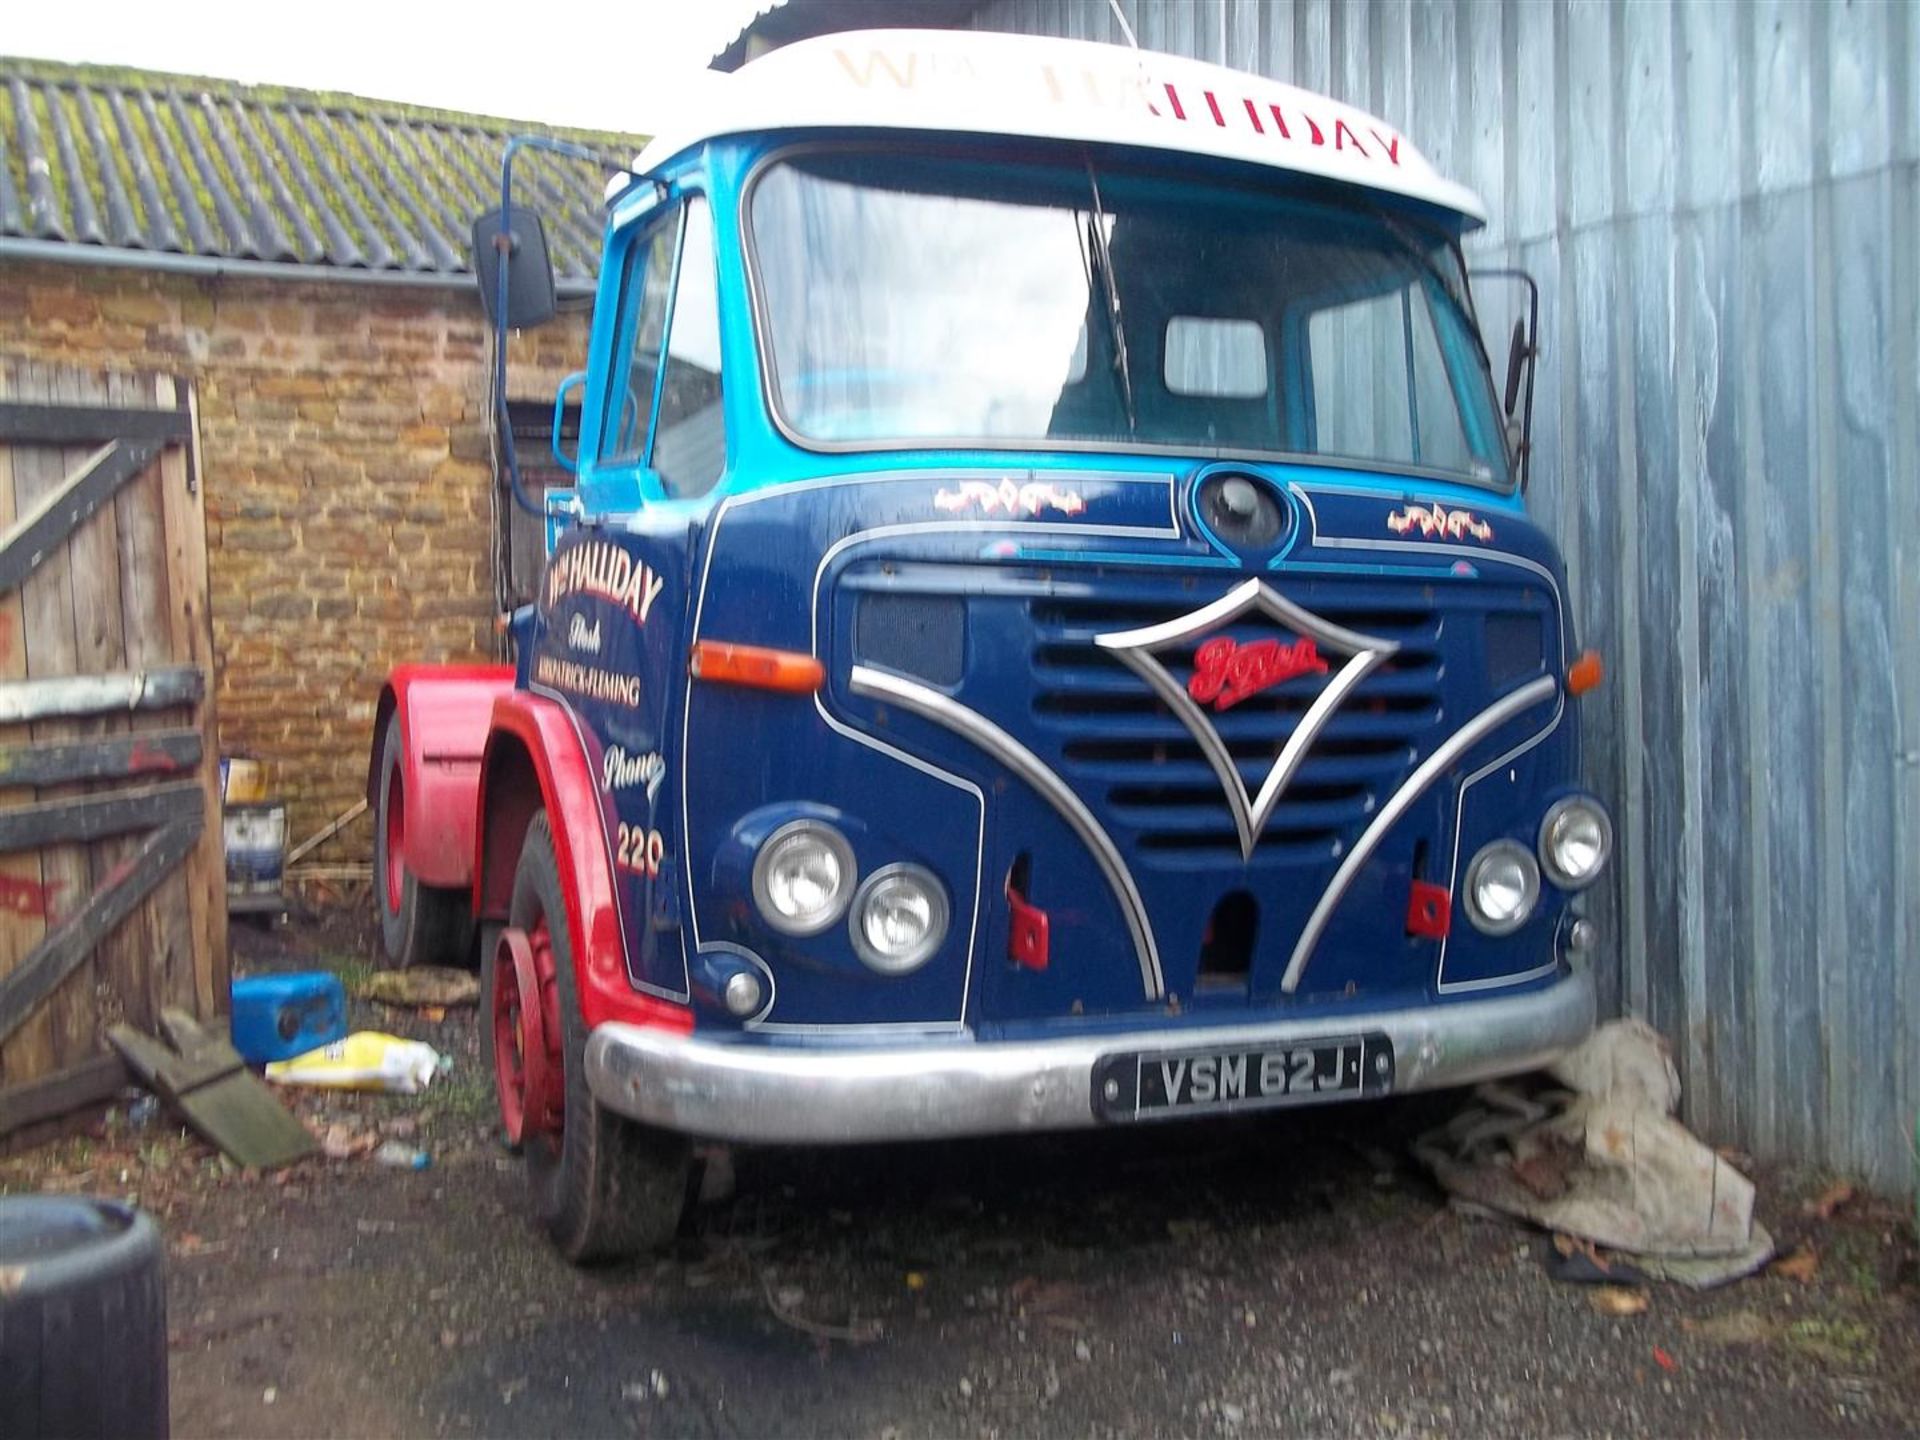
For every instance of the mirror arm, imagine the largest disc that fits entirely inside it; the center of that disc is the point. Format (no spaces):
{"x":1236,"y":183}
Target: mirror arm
{"x":1532,"y":356}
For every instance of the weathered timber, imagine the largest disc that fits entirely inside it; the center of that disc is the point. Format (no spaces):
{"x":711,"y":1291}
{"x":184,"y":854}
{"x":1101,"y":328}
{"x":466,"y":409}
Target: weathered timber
{"x":208,"y":1085}
{"x":73,"y":939}
{"x":61,"y":511}
{"x":29,"y":423}
{"x":89,"y":817}
{"x":69,"y":696}
{"x":119,"y":757}
{"x":87,"y":1083}
{"x":322,"y":835}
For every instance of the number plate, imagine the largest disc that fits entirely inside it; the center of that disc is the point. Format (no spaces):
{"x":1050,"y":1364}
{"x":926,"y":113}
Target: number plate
{"x":1162,"y":1083}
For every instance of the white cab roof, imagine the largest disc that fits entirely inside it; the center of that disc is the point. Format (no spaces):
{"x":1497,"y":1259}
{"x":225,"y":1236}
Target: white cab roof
{"x":978,"y":83}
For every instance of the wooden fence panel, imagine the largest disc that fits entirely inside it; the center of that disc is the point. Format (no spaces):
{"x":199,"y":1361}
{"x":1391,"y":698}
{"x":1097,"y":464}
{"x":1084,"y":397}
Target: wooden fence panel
{"x":111,"y":870}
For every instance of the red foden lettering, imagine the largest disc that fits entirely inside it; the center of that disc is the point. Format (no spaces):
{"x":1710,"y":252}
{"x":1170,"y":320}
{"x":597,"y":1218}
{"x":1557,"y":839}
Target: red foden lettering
{"x":1225,"y":672}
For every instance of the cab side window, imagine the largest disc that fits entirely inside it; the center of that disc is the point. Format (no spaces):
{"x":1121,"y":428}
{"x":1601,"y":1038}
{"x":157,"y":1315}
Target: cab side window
{"x":690,"y":441}
{"x":636,"y":345}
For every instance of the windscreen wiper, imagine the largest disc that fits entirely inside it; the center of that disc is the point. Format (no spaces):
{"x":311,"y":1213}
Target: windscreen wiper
{"x":1100,"y":257}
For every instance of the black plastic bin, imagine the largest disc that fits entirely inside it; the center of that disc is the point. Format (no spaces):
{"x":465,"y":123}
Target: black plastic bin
{"x":83,"y":1320}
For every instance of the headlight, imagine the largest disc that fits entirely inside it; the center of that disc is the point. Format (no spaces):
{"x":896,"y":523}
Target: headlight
{"x":1575,"y":840}
{"x":899,"y":919}
{"x":1503,"y":885}
{"x":803,"y":877}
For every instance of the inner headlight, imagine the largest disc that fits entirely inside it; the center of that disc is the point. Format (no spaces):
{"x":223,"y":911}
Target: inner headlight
{"x":899,"y":919}
{"x":1575,"y":840}
{"x":1503,"y":885}
{"x":803,"y":877}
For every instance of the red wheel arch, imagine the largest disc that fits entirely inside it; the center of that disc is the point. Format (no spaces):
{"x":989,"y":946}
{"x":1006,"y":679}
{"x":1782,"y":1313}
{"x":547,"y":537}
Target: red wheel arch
{"x":533,"y":759}
{"x":443,"y":710}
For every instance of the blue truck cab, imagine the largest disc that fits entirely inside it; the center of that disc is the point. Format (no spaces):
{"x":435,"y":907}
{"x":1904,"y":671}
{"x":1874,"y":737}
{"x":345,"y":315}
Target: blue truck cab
{"x":1045,"y":633}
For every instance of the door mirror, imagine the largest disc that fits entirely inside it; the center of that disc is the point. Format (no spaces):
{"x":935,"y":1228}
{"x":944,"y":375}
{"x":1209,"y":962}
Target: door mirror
{"x":566,"y":428}
{"x":1516,"y":358}
{"x":511,"y":245}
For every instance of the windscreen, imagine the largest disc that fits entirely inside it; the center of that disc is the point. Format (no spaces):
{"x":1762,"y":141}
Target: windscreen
{"x":929,"y":299}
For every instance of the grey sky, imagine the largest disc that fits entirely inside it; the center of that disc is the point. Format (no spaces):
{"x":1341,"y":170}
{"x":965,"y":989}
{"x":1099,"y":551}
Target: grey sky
{"x":613,"y":66}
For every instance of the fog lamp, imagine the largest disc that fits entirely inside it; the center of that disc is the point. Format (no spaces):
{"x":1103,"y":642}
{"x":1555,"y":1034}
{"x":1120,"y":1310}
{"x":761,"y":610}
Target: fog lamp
{"x":742,"y":994}
{"x":899,"y":919}
{"x":803,"y":877}
{"x":1503,"y":885}
{"x":1575,"y":840}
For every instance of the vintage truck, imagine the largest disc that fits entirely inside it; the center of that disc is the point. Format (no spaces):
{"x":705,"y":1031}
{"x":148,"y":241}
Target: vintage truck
{"x":1045,"y":633}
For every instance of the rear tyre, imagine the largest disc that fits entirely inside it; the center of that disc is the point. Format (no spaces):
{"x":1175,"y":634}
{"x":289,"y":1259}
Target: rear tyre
{"x":419,"y":924}
{"x":604,"y":1187}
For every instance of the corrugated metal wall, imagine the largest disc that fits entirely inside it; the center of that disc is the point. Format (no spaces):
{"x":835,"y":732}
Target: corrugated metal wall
{"x":1720,"y":202}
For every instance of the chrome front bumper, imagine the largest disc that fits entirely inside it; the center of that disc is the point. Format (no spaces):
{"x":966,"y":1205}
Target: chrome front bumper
{"x":845,"y":1094}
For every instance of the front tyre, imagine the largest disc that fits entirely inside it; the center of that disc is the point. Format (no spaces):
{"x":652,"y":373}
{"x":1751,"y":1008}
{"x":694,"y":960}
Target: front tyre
{"x":604,"y":1187}
{"x":419,"y":924}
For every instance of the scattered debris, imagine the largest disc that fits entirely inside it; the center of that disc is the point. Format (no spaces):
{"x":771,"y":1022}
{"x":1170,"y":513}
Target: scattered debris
{"x":1824,"y":1205}
{"x":436,"y":986}
{"x":1802,"y":1265}
{"x":1664,"y":1360}
{"x":1606,"y":1162}
{"x":1741,"y":1327}
{"x":209,"y":1086}
{"x":860,"y":1332}
{"x":365,"y":1060}
{"x":1618,"y":1301}
{"x":401,"y":1156}
{"x":343,"y":1141}
{"x":1579,"y":1262}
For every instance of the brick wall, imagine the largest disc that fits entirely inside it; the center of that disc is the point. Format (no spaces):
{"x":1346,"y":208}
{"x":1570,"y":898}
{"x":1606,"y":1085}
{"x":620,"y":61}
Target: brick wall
{"x":345,"y":460}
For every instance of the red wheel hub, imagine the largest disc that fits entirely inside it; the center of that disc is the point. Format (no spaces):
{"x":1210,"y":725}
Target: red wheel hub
{"x":527,"y":1065}
{"x":395,"y":838}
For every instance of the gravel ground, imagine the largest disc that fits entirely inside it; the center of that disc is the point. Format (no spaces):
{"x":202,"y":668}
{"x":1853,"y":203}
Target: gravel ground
{"x":1294,"y":1275}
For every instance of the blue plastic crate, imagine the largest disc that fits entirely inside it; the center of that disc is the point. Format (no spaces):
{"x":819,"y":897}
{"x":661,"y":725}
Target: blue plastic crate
{"x":276,"y":1017}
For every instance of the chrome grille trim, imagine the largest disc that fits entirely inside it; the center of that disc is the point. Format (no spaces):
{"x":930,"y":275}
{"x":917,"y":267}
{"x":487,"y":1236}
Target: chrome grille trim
{"x":972,"y":726}
{"x":1135,"y":649}
{"x":1416,"y":784}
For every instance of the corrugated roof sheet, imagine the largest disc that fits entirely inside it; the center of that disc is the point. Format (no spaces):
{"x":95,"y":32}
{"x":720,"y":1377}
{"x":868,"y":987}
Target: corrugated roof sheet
{"x":138,"y":161}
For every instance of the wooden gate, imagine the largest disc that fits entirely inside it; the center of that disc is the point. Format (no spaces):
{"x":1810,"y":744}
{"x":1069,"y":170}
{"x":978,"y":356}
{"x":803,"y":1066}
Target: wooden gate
{"x":112,"y":879}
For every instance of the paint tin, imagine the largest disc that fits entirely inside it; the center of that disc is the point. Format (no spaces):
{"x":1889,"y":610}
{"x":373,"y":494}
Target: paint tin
{"x":256,"y":839}
{"x":243,"y":780}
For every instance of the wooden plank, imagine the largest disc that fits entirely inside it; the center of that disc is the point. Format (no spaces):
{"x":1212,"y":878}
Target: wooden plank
{"x":169,"y":1073}
{"x":100,"y":644}
{"x":53,"y":655}
{"x":313,"y":841}
{"x":208,"y":1085}
{"x":69,"y":697}
{"x":118,"y":757}
{"x":39,"y":421}
{"x":29,"y":1055}
{"x":87,"y":1083}
{"x":165,"y":928}
{"x":62,"y":511}
{"x":77,"y":821}
{"x":70,"y":943}
{"x":186,"y":522}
